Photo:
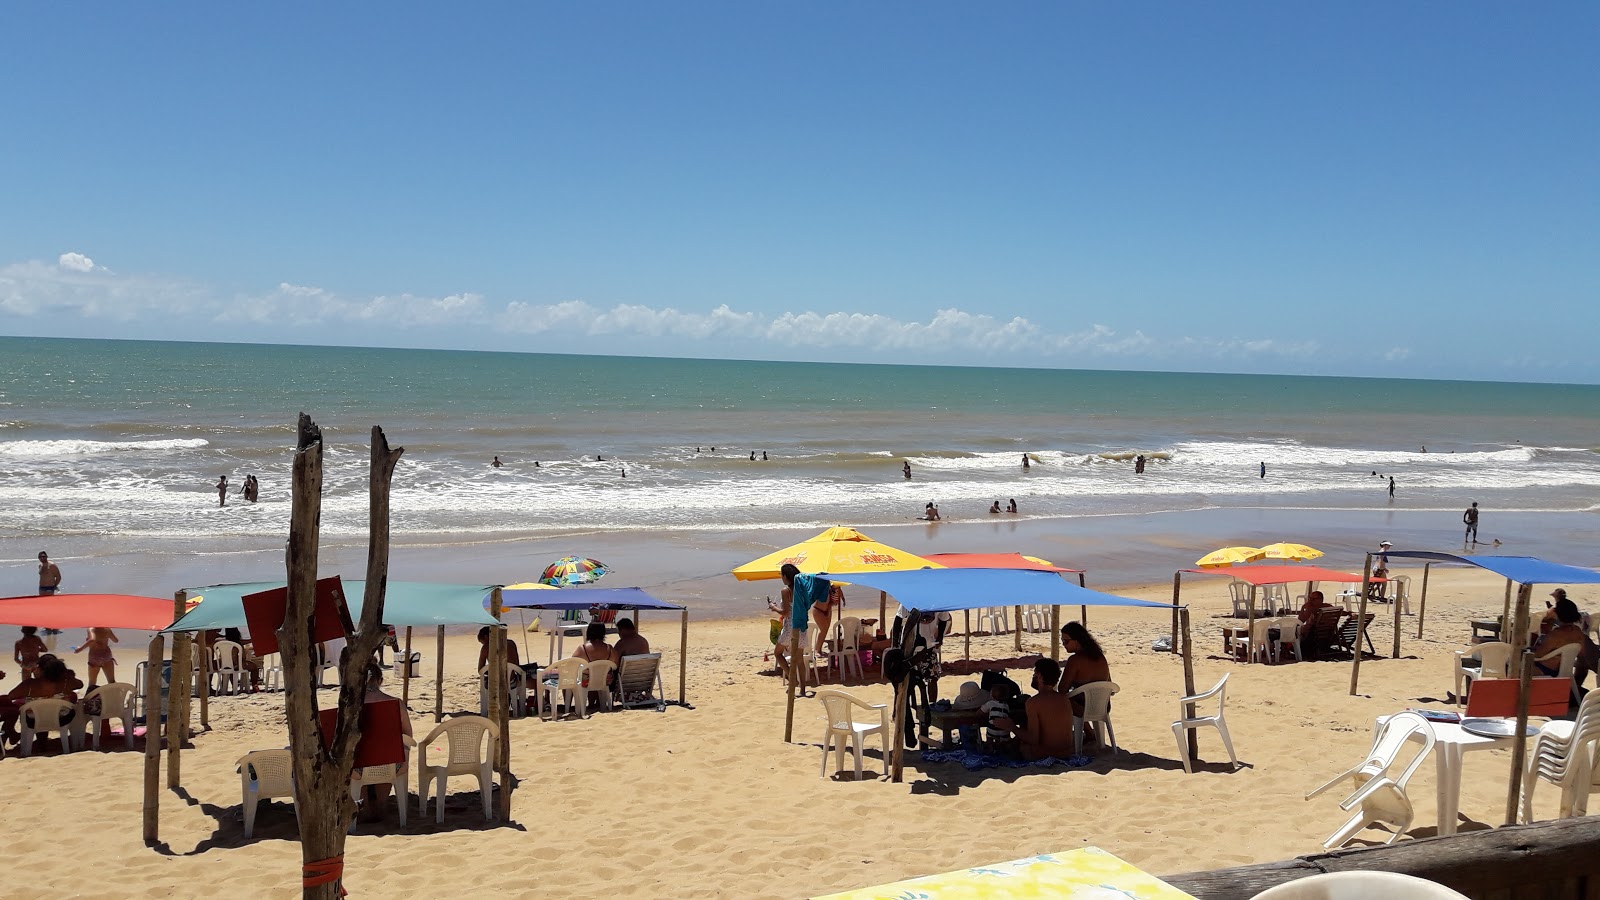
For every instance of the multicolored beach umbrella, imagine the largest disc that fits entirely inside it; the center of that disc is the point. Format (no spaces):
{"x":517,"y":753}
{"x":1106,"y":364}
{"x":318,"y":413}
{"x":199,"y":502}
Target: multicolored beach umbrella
{"x":571,"y":570}
{"x":1228,"y":556}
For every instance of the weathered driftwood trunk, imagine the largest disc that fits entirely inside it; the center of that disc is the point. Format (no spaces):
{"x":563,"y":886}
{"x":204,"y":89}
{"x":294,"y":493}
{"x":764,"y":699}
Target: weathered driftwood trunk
{"x":322,"y":776}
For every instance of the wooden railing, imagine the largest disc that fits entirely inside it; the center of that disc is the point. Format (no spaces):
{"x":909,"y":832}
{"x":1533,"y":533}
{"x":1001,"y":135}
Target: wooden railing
{"x":1559,"y":859}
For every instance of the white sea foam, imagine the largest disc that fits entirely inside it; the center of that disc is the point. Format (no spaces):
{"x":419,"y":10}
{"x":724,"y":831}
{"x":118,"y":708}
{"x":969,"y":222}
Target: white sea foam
{"x":84,"y":448}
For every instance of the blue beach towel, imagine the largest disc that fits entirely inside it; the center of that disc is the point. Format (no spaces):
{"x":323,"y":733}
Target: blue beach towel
{"x":972,"y":762}
{"x":808,"y":590}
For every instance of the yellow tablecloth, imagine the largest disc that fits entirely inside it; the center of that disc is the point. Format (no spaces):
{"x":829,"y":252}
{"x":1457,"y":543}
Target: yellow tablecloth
{"x":1085,"y":874}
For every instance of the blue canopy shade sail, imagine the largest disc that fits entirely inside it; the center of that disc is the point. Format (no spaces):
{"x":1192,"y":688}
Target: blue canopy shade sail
{"x":583,"y":598}
{"x":947,"y":590}
{"x":1521,"y":569}
{"x":416,"y":603}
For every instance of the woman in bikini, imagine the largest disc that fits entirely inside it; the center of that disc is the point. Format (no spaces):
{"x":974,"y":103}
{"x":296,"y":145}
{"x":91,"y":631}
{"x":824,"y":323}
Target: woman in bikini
{"x":595,"y":649}
{"x":1086,"y":665}
{"x":823,"y":613}
{"x":99,"y":643}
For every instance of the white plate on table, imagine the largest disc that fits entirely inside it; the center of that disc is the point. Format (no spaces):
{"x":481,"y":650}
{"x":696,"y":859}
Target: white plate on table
{"x":1495,"y":728}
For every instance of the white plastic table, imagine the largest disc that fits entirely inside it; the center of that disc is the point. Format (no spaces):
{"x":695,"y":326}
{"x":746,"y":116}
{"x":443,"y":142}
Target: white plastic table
{"x":1450,"y":744}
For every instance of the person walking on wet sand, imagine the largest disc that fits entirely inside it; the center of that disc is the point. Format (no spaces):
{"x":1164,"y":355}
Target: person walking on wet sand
{"x":222,"y":491}
{"x":49,"y":575}
{"x":1470,"y":518}
{"x":1391,"y":487}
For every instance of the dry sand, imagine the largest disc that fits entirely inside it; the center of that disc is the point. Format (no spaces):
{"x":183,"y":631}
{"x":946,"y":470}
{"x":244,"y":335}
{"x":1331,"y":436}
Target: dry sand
{"x":708,"y":800}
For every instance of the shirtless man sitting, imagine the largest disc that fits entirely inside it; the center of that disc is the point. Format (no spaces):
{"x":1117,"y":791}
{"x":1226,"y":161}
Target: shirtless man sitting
{"x":1049,"y":729}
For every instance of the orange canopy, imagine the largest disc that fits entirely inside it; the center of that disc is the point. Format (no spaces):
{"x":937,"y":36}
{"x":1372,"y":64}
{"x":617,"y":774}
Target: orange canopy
{"x":88,"y":611}
{"x":993,"y":561}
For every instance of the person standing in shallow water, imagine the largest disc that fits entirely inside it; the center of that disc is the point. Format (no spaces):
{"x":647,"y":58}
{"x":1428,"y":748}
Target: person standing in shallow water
{"x":905,"y":468}
{"x":1025,"y":463}
{"x":1391,"y":487}
{"x":222,"y":491}
{"x":1470,"y":518}
{"x":1263,"y":470}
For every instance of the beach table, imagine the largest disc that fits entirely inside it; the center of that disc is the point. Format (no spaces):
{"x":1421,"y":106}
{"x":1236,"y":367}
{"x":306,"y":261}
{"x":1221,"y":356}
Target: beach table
{"x":1451,"y":743}
{"x":1087,"y":872}
{"x":948,"y":720}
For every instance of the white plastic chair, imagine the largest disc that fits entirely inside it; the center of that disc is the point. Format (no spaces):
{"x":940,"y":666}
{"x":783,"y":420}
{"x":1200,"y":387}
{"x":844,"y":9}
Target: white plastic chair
{"x":461,"y":741}
{"x":1288,"y":636}
{"x":993,"y":620}
{"x":272,"y":672}
{"x":43,"y":716}
{"x":568,"y":687}
{"x":1401,"y":592}
{"x":1494,"y":661}
{"x":1257,"y":647}
{"x":1359,"y":885}
{"x":1563,"y":754}
{"x":599,"y":675}
{"x":1096,"y":708}
{"x":1386,"y":744}
{"x":639,"y":681}
{"x":116,"y":702}
{"x":847,"y":649}
{"x":1382,"y":800}
{"x":839,"y":709}
{"x":227,"y":668}
{"x":516,"y":690}
{"x":263,"y":775}
{"x":392,"y":775}
{"x":1239,"y":592}
{"x":1188,"y":720}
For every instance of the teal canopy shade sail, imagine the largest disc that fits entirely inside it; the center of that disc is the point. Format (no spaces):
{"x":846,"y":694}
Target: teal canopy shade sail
{"x":413,"y":603}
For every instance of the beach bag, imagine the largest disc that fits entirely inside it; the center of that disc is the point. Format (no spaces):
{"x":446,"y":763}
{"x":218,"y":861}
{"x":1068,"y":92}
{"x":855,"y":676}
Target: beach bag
{"x":774,"y":628}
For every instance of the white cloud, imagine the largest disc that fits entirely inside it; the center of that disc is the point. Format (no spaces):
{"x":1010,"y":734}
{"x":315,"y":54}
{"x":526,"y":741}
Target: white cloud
{"x":75,"y":285}
{"x":75,"y":262}
{"x":1396,"y":354}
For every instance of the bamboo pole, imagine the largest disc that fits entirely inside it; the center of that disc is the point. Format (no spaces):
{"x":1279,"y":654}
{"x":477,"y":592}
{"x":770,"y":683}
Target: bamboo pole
{"x":1395,"y":653}
{"x":1018,"y":630}
{"x":1055,"y":632}
{"x":1361,"y":616}
{"x":178,"y":696}
{"x":1188,"y":683}
{"x":499,"y":704}
{"x":1083,"y":611}
{"x":438,"y":679}
{"x":1519,"y":741}
{"x":966,"y":634}
{"x":1177,"y":588}
{"x":205,"y":680}
{"x":683,"y":658}
{"x":1422,"y":602}
{"x":883,"y":611}
{"x":1249,"y":625}
{"x":1505,"y":617}
{"x":152,"y":740}
{"x":405,"y":680}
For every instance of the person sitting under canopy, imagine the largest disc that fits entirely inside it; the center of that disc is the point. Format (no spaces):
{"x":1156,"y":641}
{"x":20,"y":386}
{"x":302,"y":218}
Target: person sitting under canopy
{"x":629,"y":641}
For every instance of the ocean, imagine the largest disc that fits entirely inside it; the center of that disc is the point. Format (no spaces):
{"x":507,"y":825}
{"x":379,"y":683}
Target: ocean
{"x":127,"y":438}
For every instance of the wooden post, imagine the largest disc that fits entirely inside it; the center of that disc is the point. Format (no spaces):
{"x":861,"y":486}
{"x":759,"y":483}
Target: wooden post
{"x":152,"y":740}
{"x":204,"y":675}
{"x":500,"y":703}
{"x":902,"y":696}
{"x":1188,"y":683}
{"x":177,"y":696}
{"x":1395,"y":653}
{"x":1055,"y":633}
{"x":1018,"y":630}
{"x":1177,"y":588}
{"x":1422,"y":602}
{"x":1083,"y":611}
{"x":405,"y":682}
{"x":438,"y":679}
{"x":1505,"y":618}
{"x":966,"y":634}
{"x":883,"y":611}
{"x":1361,"y":616}
{"x":1519,"y":741}
{"x":322,"y":762}
{"x":683,"y":658}
{"x":796,"y":660}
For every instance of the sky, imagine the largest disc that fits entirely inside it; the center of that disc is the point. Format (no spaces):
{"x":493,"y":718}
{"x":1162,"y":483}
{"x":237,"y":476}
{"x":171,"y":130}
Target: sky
{"x":1352,"y":188}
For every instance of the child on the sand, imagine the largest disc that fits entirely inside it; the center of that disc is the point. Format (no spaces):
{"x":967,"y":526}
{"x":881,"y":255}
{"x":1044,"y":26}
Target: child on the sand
{"x":99,"y":643}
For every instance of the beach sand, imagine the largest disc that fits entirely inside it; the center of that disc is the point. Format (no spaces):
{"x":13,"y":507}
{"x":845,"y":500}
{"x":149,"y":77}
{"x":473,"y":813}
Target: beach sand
{"x":708,"y":800}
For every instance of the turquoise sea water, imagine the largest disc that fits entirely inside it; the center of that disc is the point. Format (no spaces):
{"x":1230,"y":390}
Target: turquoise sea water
{"x":127,"y":438}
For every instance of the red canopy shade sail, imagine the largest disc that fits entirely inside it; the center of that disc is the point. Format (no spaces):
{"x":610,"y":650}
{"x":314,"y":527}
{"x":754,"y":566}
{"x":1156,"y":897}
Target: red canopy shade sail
{"x":993,"y":561}
{"x":1282,"y":574}
{"x":88,"y":611}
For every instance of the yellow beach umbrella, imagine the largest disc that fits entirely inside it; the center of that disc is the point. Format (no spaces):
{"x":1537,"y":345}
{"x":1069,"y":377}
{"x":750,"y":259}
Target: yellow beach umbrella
{"x":531,"y":586}
{"x":1293,"y":552}
{"x":836,"y":551}
{"x":1228,"y":556}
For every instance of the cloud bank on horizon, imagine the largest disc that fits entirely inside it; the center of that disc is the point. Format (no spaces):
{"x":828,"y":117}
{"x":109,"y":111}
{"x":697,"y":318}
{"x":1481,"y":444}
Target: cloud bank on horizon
{"x":74,"y":295}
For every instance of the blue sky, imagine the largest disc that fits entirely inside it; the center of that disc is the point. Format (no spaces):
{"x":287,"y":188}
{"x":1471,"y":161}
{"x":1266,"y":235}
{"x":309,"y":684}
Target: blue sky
{"x":1351,"y":188}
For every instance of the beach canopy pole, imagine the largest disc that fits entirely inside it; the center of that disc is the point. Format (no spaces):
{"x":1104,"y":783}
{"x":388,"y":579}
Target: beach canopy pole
{"x":1395,"y":653}
{"x":500,"y":703}
{"x":1193,"y":748}
{"x":405,"y":678}
{"x":438,"y":679}
{"x":1519,"y":740}
{"x":683,"y":657}
{"x":1177,"y":589}
{"x":1422,"y":603}
{"x":1083,"y":611}
{"x":1055,"y":631}
{"x":152,"y":740}
{"x":177,"y":696}
{"x":1361,"y":618}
